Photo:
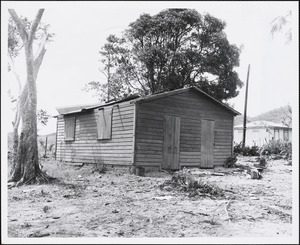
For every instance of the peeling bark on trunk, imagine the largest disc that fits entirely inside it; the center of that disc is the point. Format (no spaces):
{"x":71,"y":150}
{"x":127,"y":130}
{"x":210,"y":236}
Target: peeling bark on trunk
{"x":16,"y":171}
{"x":16,"y":124}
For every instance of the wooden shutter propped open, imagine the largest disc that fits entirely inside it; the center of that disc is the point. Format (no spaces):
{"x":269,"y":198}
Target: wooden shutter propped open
{"x":104,"y":118}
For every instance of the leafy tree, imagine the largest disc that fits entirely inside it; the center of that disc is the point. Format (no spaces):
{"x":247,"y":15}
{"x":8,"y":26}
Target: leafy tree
{"x":42,"y":117}
{"x":287,"y":117}
{"x":174,"y":49}
{"x":283,"y":23}
{"x":116,"y":86}
{"x":22,"y":34}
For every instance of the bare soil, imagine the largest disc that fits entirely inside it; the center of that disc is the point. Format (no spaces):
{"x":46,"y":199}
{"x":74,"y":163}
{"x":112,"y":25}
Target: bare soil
{"x":86,"y":203}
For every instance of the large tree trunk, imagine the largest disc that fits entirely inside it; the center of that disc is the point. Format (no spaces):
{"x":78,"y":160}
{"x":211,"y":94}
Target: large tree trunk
{"x":26,"y":169}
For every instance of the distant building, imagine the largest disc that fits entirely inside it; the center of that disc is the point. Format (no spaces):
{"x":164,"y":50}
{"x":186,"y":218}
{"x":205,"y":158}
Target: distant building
{"x":260,"y":132}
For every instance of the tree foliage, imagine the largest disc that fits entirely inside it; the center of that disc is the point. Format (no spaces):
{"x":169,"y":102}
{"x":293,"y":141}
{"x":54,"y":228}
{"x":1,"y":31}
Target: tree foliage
{"x":286,"y":119}
{"x":42,"y":117}
{"x":174,"y":49}
{"x":15,"y":43}
{"x":283,"y":24}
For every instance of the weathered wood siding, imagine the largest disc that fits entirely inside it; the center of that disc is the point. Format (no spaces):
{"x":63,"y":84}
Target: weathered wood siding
{"x":191,"y":108}
{"x":87,"y":149}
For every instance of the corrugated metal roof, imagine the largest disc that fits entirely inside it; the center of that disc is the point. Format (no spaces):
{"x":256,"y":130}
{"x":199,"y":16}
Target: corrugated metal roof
{"x":75,"y":108}
{"x":81,"y":108}
{"x":136,"y":98}
{"x":261,"y":124}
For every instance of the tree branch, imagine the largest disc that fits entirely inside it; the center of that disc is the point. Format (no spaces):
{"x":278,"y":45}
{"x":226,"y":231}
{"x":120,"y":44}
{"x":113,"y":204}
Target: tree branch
{"x":38,"y":61}
{"x":39,"y":55}
{"x":34,"y":25}
{"x":19,"y":24}
{"x":16,"y":74}
{"x":41,"y":45}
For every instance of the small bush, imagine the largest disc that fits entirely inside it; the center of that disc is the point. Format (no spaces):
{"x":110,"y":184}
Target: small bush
{"x":246,"y":150}
{"x":237,"y":149}
{"x":278,"y":147}
{"x":230,"y":162}
{"x":254,"y":151}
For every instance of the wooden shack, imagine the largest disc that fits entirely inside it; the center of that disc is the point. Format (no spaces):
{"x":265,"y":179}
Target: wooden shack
{"x":170,"y":130}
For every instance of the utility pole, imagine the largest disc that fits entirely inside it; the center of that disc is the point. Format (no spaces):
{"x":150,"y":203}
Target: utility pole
{"x":245,"y":109}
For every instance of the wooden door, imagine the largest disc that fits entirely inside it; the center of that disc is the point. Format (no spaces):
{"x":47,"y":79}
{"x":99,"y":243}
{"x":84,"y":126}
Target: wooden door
{"x":207,"y":144}
{"x":171,"y":143}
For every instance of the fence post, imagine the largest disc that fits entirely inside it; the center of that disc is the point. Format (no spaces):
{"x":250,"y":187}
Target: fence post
{"x":45,"y":155}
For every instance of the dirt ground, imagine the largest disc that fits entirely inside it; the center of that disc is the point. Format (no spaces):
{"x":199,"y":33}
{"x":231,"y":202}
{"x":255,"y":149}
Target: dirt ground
{"x":118,"y":204}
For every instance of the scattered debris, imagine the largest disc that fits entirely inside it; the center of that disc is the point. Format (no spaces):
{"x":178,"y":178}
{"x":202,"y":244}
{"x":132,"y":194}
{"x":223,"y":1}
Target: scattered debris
{"x":142,"y":191}
{"x":46,"y":209}
{"x":259,"y":166}
{"x":248,"y":214}
{"x":255,"y":174}
{"x":226,"y":209}
{"x":140,"y":171}
{"x":32,"y":189}
{"x":137,"y":170}
{"x":17,"y":198}
{"x":38,"y":234}
{"x":183,"y":181}
{"x":212,"y":221}
{"x":190,"y":212}
{"x":230,"y":191}
{"x":11,"y":184}
{"x":76,"y":164}
{"x":100,"y":168}
{"x":163,"y":198}
{"x":262,"y":162}
{"x":56,"y":217}
{"x":26,"y":225}
{"x":121,"y":233}
{"x":218,"y":174}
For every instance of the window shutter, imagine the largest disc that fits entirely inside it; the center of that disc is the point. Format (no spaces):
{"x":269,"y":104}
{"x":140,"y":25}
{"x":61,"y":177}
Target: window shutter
{"x":104,"y":123}
{"x":69,"y":128}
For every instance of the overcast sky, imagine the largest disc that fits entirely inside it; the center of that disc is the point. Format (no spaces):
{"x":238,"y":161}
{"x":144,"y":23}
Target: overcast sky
{"x":81,"y":29}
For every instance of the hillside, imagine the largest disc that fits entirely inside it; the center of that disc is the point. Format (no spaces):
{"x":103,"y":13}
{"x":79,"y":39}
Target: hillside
{"x":50,"y":140}
{"x":277,"y":115}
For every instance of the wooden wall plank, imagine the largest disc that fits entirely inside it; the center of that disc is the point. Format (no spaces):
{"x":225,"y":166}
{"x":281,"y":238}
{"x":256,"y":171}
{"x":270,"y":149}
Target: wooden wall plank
{"x":191,"y":108}
{"x":86,"y":147}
